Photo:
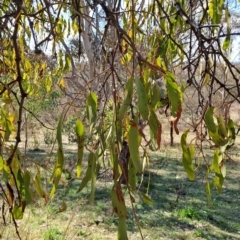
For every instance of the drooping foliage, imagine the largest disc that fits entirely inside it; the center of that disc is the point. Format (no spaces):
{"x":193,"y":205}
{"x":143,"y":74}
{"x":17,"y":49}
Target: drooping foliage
{"x":133,"y":58}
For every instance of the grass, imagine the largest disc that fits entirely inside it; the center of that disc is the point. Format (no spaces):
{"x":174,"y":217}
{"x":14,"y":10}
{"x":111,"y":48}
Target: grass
{"x":179,"y":209}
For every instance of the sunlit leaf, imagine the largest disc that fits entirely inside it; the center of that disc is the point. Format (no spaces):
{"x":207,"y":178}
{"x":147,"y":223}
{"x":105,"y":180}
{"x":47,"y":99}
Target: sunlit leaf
{"x":223,"y":170}
{"x":80,"y":141}
{"x":126,"y":58}
{"x":62,"y":84}
{"x":1,"y":163}
{"x":48,"y":83}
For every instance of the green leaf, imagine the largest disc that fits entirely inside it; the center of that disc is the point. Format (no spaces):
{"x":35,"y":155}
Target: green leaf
{"x":187,"y":156}
{"x":118,"y":202}
{"x":59,"y":160}
{"x":227,"y":40}
{"x":133,"y":147}
{"x":155,"y":127}
{"x":206,"y":80}
{"x":80,"y":141}
{"x":215,"y":10}
{"x":142,"y":99}
{"x":48,"y":83}
{"x":38,"y":185}
{"x":90,"y":169}
{"x":91,"y":104}
{"x":8,"y":129}
{"x":218,"y":182}
{"x":210,"y":120}
{"x":216,"y":161}
{"x":122,"y":229}
{"x":222,"y":130}
{"x":155,"y":96}
{"x":17,"y":212}
{"x":174,"y":94}
{"x":28,"y":193}
{"x":208,"y":192}
{"x":67,"y":66}
{"x":146,"y":199}
{"x":223,"y":170}
{"x":132,"y":175}
{"x":128,"y":99}
{"x":1,"y":163}
{"x":126,"y":58}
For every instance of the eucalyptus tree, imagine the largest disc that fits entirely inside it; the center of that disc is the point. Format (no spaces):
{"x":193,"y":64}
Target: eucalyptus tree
{"x":137,"y":43}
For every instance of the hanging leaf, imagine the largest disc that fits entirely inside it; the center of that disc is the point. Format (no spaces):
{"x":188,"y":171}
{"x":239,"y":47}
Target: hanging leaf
{"x":187,"y":156}
{"x":217,"y":159}
{"x":80,"y":142}
{"x":142,"y":99}
{"x":218,"y":182}
{"x":208,"y":193}
{"x":28,"y":192}
{"x":146,"y":199}
{"x":155,"y":96}
{"x":222,"y":128}
{"x":90,"y":169}
{"x":59,"y":160}
{"x":1,"y":163}
{"x":62,"y":84}
{"x":132,"y":175}
{"x":17,"y":212}
{"x":206,"y":80}
{"x":128,"y":98}
{"x":215,"y":10}
{"x":48,"y":83}
{"x":175,"y":97}
{"x":118,"y":202}
{"x":38,"y":185}
{"x":227,"y":40}
{"x":133,"y":147}
{"x":210,"y":120}
{"x":122,"y":229}
{"x":67,"y":63}
{"x":155,"y":127}
{"x":91,"y":105}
